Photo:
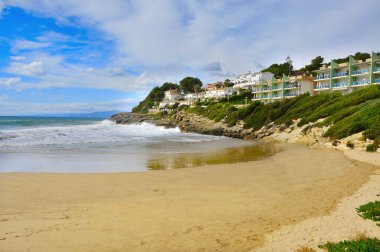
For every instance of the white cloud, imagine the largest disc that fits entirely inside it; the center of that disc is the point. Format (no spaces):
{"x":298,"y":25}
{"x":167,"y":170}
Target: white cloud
{"x":28,"y":45}
{"x":2,"y":5}
{"x":170,"y":39}
{"x":10,"y":82}
{"x":18,"y":58}
{"x":34,"y":68}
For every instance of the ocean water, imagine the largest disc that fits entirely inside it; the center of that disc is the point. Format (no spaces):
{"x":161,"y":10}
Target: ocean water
{"x":82,"y":145}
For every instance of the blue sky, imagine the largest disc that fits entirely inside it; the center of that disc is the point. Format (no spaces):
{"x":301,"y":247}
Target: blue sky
{"x":83,"y":56}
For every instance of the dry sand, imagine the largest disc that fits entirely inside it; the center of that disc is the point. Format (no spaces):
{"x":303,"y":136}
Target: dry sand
{"x":210,"y":208}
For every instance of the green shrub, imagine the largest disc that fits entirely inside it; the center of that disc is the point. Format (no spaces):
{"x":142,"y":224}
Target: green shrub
{"x":372,"y":148}
{"x":345,"y":114}
{"x":359,"y":245}
{"x":370,"y":211}
{"x":350,"y":145}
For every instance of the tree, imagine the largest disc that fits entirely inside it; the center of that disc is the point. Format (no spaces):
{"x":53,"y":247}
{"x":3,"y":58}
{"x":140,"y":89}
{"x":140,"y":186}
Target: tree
{"x":279,"y":69}
{"x":155,"y":96}
{"x":187,"y":84}
{"x":316,"y":63}
{"x":228,"y":83}
{"x":289,"y":63}
{"x":362,"y":56}
{"x":169,"y":85}
{"x":197,"y":88}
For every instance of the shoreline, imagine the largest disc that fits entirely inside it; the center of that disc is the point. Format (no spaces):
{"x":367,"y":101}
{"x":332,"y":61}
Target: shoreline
{"x":234,"y":205}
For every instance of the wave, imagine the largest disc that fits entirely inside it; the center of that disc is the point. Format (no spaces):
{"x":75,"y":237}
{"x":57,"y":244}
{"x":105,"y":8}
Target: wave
{"x":102,"y":132}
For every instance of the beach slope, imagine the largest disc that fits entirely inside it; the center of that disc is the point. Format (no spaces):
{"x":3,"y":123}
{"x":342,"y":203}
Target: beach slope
{"x":211,"y":208}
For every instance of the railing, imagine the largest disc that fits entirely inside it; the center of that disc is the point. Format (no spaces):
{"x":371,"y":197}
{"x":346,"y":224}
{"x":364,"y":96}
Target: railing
{"x":255,"y":90}
{"x":277,"y":88}
{"x":340,"y":74}
{"x":290,"y":86}
{"x":265,"y":88}
{"x":265,"y":97}
{"x":362,"y":82}
{"x":290,"y":94}
{"x":325,"y":86}
{"x":323,"y":76}
{"x":376,"y":81}
{"x":377,"y":69}
{"x":276,"y":96}
{"x":362,"y":71}
{"x":339,"y":85}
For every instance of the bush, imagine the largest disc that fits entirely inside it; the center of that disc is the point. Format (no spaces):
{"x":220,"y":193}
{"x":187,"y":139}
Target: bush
{"x":372,"y":148}
{"x":359,"y":245}
{"x":370,"y":211}
{"x":350,"y":145}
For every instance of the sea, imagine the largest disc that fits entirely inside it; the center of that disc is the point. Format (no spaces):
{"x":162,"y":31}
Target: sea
{"x":85,"y":145}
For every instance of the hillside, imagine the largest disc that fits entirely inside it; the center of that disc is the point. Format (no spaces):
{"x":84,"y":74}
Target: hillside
{"x":345,"y":115}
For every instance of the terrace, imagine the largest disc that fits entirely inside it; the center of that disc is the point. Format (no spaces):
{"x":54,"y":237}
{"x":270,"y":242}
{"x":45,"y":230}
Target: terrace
{"x":340,"y":85}
{"x":338,"y":75}
{"x":290,"y":95}
{"x":291,"y":86}
{"x":322,"y":86}
{"x":322,"y":76}
{"x":358,"y":72}
{"x":358,"y":83}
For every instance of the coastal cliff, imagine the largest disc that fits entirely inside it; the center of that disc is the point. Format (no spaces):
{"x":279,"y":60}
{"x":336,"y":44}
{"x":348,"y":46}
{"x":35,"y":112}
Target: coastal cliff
{"x":291,"y":133}
{"x":328,"y":119}
{"x":186,"y":122}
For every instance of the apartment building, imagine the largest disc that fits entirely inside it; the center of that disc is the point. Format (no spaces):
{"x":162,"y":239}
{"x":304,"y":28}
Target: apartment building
{"x":348,"y":76}
{"x":286,"y":87}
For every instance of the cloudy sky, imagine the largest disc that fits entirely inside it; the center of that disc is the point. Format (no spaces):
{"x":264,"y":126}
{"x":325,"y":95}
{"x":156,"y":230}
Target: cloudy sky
{"x":95,"y":55}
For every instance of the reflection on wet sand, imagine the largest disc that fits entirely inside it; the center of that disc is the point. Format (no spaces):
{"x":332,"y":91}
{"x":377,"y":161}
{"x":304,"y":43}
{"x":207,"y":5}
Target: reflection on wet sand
{"x":228,"y":155}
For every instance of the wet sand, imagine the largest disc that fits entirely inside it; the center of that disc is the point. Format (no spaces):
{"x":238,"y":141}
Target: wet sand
{"x":210,"y":208}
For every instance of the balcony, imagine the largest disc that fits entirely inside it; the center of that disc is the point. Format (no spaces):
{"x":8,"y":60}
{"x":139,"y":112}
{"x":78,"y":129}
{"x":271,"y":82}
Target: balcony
{"x":377,"y":69}
{"x":358,"y":83}
{"x":323,"y":76}
{"x":255,"y":90}
{"x":265,"y":88}
{"x":340,"y":85}
{"x":276,"y":96}
{"x":362,"y":71}
{"x":265,"y":96}
{"x":377,"y":81}
{"x":324,"y":86}
{"x":290,"y":94}
{"x":276,"y":88}
{"x":337,"y":75}
{"x":290,"y":86}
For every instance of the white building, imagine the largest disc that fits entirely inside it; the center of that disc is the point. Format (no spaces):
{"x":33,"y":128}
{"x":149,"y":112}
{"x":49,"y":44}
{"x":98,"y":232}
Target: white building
{"x":219,"y":92}
{"x":192,"y":96}
{"x":250,"y":80}
{"x":171,"y":94}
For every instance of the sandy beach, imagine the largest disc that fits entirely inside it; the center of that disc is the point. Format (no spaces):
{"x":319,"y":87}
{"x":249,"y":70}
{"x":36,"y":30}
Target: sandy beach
{"x":234,"y":207}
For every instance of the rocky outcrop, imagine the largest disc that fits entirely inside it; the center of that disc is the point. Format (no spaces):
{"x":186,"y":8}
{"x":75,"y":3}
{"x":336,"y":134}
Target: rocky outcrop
{"x":187,"y":122}
{"x":131,"y":118}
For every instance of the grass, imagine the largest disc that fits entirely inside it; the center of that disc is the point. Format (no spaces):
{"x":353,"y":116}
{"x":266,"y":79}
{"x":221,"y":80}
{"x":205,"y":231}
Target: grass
{"x":370,"y":211}
{"x":360,"y":244}
{"x":345,"y":114}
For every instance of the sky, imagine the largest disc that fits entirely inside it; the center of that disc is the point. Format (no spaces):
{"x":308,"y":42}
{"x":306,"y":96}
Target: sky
{"x":81,"y":56}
